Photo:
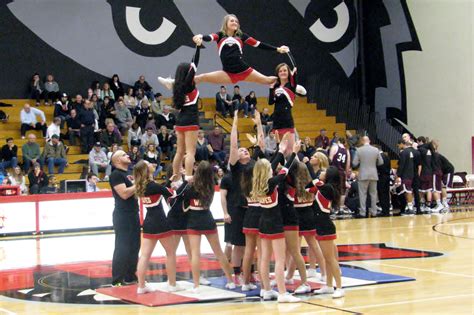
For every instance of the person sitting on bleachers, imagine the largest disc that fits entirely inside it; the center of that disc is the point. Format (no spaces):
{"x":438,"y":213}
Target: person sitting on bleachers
{"x":8,"y":156}
{"x":91,"y":185}
{"x":134,"y":135}
{"x":18,"y":179}
{"x":123,"y":117}
{"x":31,"y":153}
{"x":29,"y":121}
{"x":239,"y":103}
{"x":109,"y":137}
{"x":55,"y":155}
{"x":36,"y":88}
{"x":62,"y":109}
{"x":107,"y":91}
{"x":87,"y":119}
{"x":99,"y":162}
{"x":130,"y":100}
{"x":164,"y":139}
{"x":203,"y":148}
{"x":143,"y":85}
{"x":251,"y":100}
{"x":166,"y":118}
{"x":74,"y":127}
{"x":270,"y":144}
{"x":267,"y":122}
{"x":116,"y":86}
{"x":216,"y":140}
{"x":135,"y":157}
{"x":37,"y":178}
{"x":142,"y":112}
{"x":153,"y":157}
{"x":51,"y":90}
{"x":223,"y":101}
{"x":148,"y":137}
{"x":54,"y":129}
{"x":78,"y":103}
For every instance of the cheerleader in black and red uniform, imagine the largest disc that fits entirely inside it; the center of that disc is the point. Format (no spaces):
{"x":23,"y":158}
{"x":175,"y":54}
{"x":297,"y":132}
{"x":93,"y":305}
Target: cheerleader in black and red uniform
{"x":286,"y":198}
{"x":265,"y":188}
{"x":185,"y":98}
{"x":155,"y":226}
{"x":282,"y":95}
{"x":197,"y":199}
{"x":327,"y":195}
{"x":303,"y":204}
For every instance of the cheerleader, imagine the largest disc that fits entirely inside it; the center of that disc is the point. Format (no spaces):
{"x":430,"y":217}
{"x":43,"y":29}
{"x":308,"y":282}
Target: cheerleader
{"x":197,"y":199}
{"x":282,"y":95}
{"x":265,"y":188}
{"x":305,"y":212}
{"x":185,"y":97}
{"x":327,"y":195}
{"x":155,"y":226}
{"x":230,"y":40}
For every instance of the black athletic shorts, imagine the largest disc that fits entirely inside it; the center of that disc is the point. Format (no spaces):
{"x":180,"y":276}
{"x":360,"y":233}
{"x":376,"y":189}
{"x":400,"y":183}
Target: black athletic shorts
{"x":271,"y":224}
{"x":306,"y":220}
{"x":201,"y":222}
{"x":252,"y":220}
{"x":325,"y":228}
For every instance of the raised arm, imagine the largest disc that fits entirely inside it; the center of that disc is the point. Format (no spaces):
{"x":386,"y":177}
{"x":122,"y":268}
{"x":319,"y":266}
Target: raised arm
{"x":256,"y":43}
{"x":234,"y":149}
{"x":192,"y":70}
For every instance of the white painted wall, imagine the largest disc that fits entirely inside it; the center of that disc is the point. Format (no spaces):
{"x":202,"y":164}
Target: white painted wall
{"x":439,"y":79}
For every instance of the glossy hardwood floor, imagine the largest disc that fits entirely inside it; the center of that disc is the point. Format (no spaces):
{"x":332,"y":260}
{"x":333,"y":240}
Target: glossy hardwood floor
{"x":444,"y":284}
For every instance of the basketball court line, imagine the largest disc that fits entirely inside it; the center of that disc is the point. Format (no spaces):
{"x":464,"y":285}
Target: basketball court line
{"x":412,"y":301}
{"x":419,"y":269}
{"x":332,"y":308}
{"x":448,"y":223}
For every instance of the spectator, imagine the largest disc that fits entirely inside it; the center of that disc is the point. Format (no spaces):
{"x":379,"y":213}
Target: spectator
{"x":164,"y":139}
{"x":109,"y":137}
{"x":54,"y":129}
{"x":352,"y":141}
{"x":266,"y":119}
{"x":108,"y":109}
{"x":219,"y":175}
{"x":28,"y":120}
{"x":135,"y":157}
{"x":114,"y":148}
{"x":142,"y":112}
{"x":116,"y":86}
{"x":153,"y":157}
{"x":99,"y":162}
{"x":157,"y":105}
{"x":270,"y":144}
{"x":36,"y":88}
{"x":62,"y":109}
{"x":123,"y":117}
{"x":239,"y":103}
{"x":223,"y":101}
{"x":78,"y":103}
{"x":74,"y":127}
{"x":90,"y":93}
{"x":91,"y":185}
{"x":335,"y":137}
{"x":55,"y":155}
{"x":51,"y":90}
{"x":307,"y":149}
{"x":87,"y":119}
{"x":251,"y":100}
{"x":142,"y":84}
{"x":134,"y":135}
{"x":368,"y":158}
{"x":8,"y":156}
{"x":19,"y":179}
{"x":216,"y":140}
{"x":95,"y":86}
{"x":52,"y":187}
{"x":148,"y":137}
{"x":203,"y":149}
{"x":173,"y":141}
{"x":31,"y":153}
{"x":166,"y":118}
{"x":140,"y":94}
{"x":107,"y":91}
{"x":322,"y":141}
{"x":130,"y":100}
{"x":151,"y":122}
{"x":37,"y":179}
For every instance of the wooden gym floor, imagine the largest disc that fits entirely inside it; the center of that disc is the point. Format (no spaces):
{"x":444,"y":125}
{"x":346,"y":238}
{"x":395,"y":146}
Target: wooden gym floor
{"x":444,"y":284}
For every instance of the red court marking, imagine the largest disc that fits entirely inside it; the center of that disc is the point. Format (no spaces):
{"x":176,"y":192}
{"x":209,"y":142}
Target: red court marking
{"x":157,"y":298}
{"x":369,"y":251}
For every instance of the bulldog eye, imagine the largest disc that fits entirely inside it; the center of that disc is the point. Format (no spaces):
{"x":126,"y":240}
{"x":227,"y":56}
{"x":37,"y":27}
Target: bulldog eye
{"x":333,"y":34}
{"x":156,"y":37}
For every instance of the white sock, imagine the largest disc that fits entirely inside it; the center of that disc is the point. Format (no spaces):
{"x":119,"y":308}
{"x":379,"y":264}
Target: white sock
{"x":438,"y":202}
{"x":410,"y":206}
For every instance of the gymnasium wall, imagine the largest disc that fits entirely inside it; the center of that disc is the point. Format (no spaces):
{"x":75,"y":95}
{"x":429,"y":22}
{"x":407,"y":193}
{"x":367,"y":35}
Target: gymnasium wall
{"x":439,"y":79}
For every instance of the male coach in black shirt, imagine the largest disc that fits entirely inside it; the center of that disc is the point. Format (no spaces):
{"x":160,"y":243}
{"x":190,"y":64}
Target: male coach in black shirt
{"x":126,"y":222}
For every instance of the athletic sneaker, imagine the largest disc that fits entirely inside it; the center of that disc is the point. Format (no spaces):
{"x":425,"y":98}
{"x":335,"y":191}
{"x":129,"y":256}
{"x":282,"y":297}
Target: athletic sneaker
{"x":408,"y":212}
{"x":311,"y":273}
{"x":248,"y":287}
{"x":145,"y":289}
{"x":303,"y":288}
{"x":230,"y":285}
{"x":238,"y":280}
{"x":339,"y":293}
{"x":445,"y":205}
{"x":270,"y":295}
{"x":287,"y":298}
{"x":324,"y":290}
{"x":167,"y":82}
{"x":176,"y":288}
{"x":261,"y":292}
{"x":204,"y":281}
{"x":438,"y":208}
{"x":300,"y":90}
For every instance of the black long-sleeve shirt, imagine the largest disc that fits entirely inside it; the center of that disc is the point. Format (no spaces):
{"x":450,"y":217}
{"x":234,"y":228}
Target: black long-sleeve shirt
{"x":7,"y":154}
